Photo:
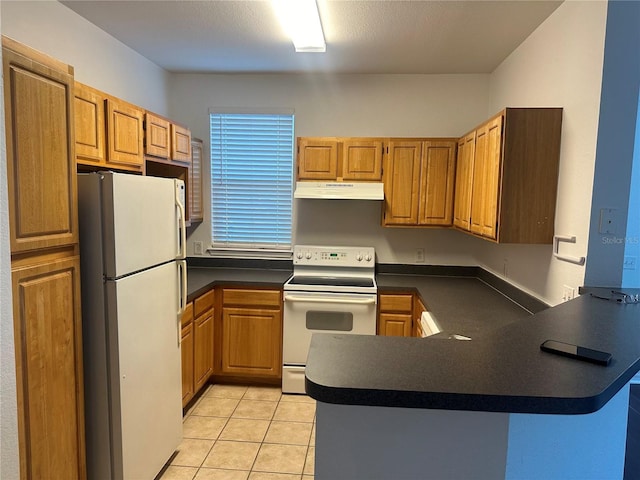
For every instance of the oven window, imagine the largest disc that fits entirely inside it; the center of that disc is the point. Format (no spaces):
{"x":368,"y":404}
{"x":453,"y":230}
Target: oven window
{"x":323,"y":320}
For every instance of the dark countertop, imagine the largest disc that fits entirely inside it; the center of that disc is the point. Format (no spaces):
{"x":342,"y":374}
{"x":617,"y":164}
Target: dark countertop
{"x":201,"y":279}
{"x":500,"y":371}
{"x":461,"y":305}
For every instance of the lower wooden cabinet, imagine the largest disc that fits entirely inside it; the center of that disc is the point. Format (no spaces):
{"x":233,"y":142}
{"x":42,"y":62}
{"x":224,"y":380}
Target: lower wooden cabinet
{"x":49,"y":373}
{"x":197,"y":345}
{"x":251,"y":333}
{"x":395,"y":317}
{"x":186,"y":348}
{"x":203,"y":349}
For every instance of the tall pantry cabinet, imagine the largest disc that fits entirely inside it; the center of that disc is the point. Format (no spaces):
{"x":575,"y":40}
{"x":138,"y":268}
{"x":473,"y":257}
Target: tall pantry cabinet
{"x":43,"y":224}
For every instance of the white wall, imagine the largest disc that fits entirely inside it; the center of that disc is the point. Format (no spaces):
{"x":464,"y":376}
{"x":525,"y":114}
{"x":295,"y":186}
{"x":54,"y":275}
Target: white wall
{"x":631,"y":277}
{"x":560,"y":64}
{"x":9,"y":459}
{"x":99,"y":59}
{"x":616,"y":138}
{"x":348,"y":105}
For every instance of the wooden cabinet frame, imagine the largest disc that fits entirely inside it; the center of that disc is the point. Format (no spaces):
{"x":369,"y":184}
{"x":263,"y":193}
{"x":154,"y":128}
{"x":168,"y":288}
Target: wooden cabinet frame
{"x":506,"y":185}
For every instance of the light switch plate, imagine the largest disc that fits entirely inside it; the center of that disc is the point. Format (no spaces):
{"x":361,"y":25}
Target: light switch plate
{"x":197,"y":248}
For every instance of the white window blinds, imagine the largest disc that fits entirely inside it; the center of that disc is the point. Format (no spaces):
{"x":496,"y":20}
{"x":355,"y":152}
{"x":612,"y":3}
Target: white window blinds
{"x":251,"y":181}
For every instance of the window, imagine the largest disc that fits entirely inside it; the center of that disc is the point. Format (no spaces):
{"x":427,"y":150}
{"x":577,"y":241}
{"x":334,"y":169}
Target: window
{"x":251,"y":181}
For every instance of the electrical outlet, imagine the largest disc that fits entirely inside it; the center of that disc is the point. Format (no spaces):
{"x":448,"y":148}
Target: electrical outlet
{"x":568,"y":293}
{"x":197,"y":248}
{"x":608,"y":221}
{"x":629,"y":263}
{"x":419,"y":255}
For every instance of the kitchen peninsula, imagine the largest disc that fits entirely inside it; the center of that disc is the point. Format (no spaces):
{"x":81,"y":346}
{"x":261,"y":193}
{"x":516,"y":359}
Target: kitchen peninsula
{"x":492,"y":407}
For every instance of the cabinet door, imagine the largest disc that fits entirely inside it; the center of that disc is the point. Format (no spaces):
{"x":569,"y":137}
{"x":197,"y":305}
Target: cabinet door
{"x":186,"y":351}
{"x":203,"y":350}
{"x":251,"y":342}
{"x":157,"y":136}
{"x":41,"y":163}
{"x":402,"y":183}
{"x":125,"y":134}
{"x":180,"y":144}
{"x":362,"y":160}
{"x":196,"y":212}
{"x":464,"y":179}
{"x":48,"y":342}
{"x":89,"y":125}
{"x":492,"y":178}
{"x":395,"y":325}
{"x":436,"y":183}
{"x":478,"y":191}
{"x":317,"y":159}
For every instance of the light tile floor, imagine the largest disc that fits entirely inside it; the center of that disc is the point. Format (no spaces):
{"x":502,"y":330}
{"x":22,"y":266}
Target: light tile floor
{"x":236,"y":432}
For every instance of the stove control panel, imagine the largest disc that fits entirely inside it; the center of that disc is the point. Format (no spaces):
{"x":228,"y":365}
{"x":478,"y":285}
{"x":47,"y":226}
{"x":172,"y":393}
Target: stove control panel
{"x":334,"y":256}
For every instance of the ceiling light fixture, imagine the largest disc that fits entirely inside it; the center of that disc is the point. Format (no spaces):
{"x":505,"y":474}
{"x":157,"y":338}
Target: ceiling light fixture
{"x":301,"y":20}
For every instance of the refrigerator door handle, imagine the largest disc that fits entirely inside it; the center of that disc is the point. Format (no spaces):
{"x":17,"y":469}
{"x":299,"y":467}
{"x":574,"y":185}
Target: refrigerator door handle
{"x":182,"y":227}
{"x":182,"y":295}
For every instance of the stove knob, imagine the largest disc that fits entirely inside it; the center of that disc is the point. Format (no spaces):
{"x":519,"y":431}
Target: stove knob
{"x":367,"y":257}
{"x":299,"y":255}
{"x":359,"y":257}
{"x":308,"y":256}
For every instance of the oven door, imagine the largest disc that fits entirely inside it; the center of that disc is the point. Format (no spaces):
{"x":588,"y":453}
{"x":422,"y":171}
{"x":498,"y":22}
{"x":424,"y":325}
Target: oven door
{"x":323,"y":312}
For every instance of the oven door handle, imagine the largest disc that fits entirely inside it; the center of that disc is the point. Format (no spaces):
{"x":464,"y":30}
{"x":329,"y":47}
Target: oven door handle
{"x":295,"y":298}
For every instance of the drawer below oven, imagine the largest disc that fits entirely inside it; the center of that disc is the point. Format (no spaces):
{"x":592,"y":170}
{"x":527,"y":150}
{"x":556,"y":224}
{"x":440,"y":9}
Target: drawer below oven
{"x":293,"y":379}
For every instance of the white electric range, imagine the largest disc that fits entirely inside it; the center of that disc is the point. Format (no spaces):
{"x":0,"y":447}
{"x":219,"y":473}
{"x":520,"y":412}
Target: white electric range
{"x":332,"y":290}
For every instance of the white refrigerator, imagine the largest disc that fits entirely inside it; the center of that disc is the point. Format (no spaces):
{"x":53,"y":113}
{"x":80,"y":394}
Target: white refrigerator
{"x":133,"y":270}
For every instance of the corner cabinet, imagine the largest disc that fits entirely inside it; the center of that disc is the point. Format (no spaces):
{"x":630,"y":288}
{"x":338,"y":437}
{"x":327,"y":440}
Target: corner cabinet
{"x":340,"y":159}
{"x":419,"y":182}
{"x":251,"y":333}
{"x":43,"y":231}
{"x":513,"y":166}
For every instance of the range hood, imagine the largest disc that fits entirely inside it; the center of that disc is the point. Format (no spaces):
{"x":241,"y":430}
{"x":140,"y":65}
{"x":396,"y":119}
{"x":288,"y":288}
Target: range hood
{"x":340,"y":190}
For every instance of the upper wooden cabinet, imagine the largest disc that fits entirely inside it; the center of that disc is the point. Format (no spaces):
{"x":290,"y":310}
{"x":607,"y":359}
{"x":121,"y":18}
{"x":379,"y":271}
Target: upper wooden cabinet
{"x":402,"y":182}
{"x":180,"y":144}
{"x":157,"y":136}
{"x":196,"y":204}
{"x":125,"y":133}
{"x":338,"y":159}
{"x":109,"y":131}
{"x":90,"y":125}
{"x":464,"y":181}
{"x":437,"y":174}
{"x":41,"y":178}
{"x":514,"y":176}
{"x":418,"y":182}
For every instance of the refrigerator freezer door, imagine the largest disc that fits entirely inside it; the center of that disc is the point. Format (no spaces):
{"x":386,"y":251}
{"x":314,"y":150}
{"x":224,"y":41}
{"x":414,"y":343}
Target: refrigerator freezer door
{"x":145,"y":375}
{"x":140,"y":225}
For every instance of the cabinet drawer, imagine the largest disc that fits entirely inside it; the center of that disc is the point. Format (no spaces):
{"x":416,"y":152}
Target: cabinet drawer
{"x":204,"y":302}
{"x":238,"y":296}
{"x":187,"y":315}
{"x":396,"y":303}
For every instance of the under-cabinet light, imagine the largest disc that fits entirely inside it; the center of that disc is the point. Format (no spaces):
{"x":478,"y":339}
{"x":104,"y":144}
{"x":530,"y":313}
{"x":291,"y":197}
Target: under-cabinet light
{"x":301,"y":20}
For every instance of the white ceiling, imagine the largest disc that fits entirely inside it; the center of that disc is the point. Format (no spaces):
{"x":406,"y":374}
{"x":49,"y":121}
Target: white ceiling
{"x":362,"y":36}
